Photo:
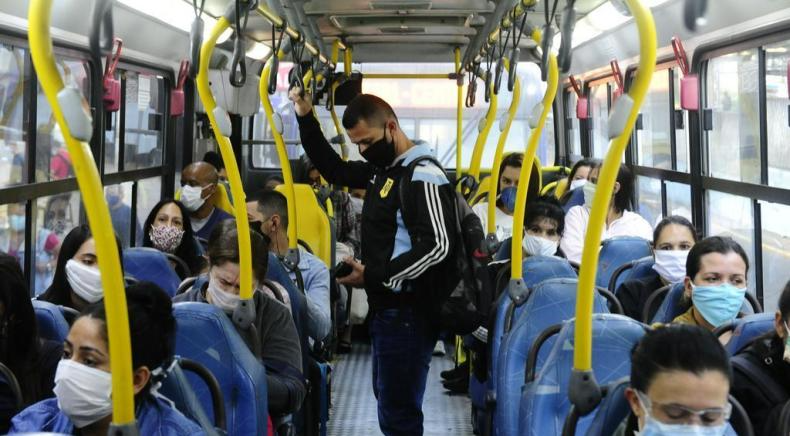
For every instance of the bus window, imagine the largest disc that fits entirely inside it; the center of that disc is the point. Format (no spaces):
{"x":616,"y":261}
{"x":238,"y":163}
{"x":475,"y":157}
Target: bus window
{"x":572,"y":124}
{"x":734,"y":141}
{"x":144,"y":120}
{"x":681,"y":126}
{"x":776,"y":251}
{"x":55,"y":217}
{"x":12,"y":230}
{"x":12,"y":136}
{"x":678,"y":199}
{"x":653,"y":143}
{"x":111,"y":143}
{"x":648,"y":194}
{"x":149,"y":192}
{"x":777,"y":108}
{"x":119,"y":199}
{"x":599,"y":107}
{"x":733,"y":216}
{"x":52,"y":158}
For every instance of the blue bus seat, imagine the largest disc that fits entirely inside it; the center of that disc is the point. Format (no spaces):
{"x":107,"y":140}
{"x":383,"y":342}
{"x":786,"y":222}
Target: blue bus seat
{"x":503,"y":252}
{"x":544,"y":401}
{"x":616,"y":252}
{"x":206,"y":335}
{"x":150,"y":264}
{"x":550,"y":302}
{"x":50,"y":321}
{"x":747,"y":329}
{"x":177,"y":388}
{"x":276,"y":272}
{"x":634,"y":270}
{"x":672,"y":304}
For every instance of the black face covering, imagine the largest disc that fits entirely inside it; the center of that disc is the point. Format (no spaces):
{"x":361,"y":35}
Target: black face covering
{"x":255,"y":226}
{"x":380,"y":153}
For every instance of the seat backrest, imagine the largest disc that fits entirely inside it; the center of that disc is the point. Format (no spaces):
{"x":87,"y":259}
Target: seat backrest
{"x":634,"y":270}
{"x":50,"y":321}
{"x":150,"y":264}
{"x":313,"y":225}
{"x":616,"y":252}
{"x":535,"y":270}
{"x":544,"y":401}
{"x":205,"y":334}
{"x":671,"y":307}
{"x":550,"y":302}
{"x":177,"y":388}
{"x":221,"y":200}
{"x":748,"y":328}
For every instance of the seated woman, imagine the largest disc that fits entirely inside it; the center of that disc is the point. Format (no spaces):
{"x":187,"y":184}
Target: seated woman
{"x":672,"y":239}
{"x":680,"y":379}
{"x":771,"y":356}
{"x":576,"y":179}
{"x":31,"y":359}
{"x":77,"y":282}
{"x":83,"y":387}
{"x":278,"y":340}
{"x":544,"y":223}
{"x":169,"y":230}
{"x":620,"y":221}
{"x":715,"y":283}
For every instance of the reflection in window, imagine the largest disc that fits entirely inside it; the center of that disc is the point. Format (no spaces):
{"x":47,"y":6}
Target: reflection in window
{"x":681,"y":126}
{"x":111,"y":143}
{"x":55,"y":217}
{"x":778,"y":113}
{"x":144,"y":121}
{"x":653,"y":139}
{"x":599,"y":108}
{"x":119,"y":199}
{"x":12,"y":230}
{"x":52,"y":158}
{"x":648,"y":194}
{"x":776,"y":251}
{"x":734,"y":141}
{"x":730,"y":215}
{"x":12,"y":135}
{"x":149,"y":192}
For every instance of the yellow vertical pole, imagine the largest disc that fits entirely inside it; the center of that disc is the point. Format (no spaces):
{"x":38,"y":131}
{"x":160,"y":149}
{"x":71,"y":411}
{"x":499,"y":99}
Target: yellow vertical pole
{"x":459,"y":118}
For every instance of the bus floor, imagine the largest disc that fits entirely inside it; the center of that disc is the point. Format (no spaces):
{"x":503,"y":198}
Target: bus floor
{"x":354,"y":406}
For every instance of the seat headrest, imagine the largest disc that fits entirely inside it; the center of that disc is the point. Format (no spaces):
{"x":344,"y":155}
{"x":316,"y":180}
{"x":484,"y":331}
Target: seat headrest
{"x":50,"y":321}
{"x":539,"y":268}
{"x":150,"y":264}
{"x":747,"y":329}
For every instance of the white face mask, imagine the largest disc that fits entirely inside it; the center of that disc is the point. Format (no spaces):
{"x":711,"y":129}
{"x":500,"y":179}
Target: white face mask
{"x":192,"y":197}
{"x":589,"y":194}
{"x":576,"y":183}
{"x":83,"y":393}
{"x":671,"y":264}
{"x":224,"y":300}
{"x":85,"y":280}
{"x":537,"y":246}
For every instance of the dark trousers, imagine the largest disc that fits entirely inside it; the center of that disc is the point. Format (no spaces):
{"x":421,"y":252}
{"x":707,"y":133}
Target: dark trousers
{"x":402,"y":342}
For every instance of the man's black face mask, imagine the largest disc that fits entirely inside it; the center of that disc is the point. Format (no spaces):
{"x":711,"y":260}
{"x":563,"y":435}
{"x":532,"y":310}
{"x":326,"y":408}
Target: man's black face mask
{"x":380,"y":153}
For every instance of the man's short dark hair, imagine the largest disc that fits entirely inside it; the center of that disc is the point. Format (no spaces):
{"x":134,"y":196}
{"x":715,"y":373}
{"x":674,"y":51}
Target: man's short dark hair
{"x":370,"y":108}
{"x":273,"y":203}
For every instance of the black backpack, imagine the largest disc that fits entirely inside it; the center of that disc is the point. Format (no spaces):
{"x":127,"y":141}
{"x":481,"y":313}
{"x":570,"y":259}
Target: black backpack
{"x":461,"y":306}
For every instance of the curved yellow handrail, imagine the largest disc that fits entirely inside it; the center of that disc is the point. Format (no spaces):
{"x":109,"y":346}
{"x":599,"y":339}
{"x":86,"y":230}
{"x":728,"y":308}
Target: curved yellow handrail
{"x":500,"y":147}
{"x":459,"y":117}
{"x":226,"y":150}
{"x":516,"y":254}
{"x":477,"y":153}
{"x":98,"y":217}
{"x":582,"y":357}
{"x":282,"y":154}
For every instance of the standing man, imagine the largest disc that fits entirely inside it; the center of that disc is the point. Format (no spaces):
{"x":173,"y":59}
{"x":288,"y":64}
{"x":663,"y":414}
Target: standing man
{"x":405,"y":265}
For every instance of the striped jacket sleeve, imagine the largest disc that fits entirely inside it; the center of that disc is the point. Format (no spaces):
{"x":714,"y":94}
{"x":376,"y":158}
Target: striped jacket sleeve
{"x":430,"y":227}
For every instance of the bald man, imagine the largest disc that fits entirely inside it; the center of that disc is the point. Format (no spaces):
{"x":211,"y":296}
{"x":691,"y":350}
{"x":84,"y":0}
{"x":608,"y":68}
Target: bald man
{"x":198,"y":190}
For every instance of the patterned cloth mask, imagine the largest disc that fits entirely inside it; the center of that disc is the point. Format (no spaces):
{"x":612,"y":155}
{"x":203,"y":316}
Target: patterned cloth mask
{"x":166,"y":238}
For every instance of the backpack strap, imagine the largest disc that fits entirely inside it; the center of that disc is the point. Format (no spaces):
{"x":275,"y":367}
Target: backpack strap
{"x":760,"y":378}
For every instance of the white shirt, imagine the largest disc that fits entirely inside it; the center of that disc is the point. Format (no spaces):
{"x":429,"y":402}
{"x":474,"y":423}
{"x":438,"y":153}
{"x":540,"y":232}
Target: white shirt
{"x":504,"y":222}
{"x":630,"y":224}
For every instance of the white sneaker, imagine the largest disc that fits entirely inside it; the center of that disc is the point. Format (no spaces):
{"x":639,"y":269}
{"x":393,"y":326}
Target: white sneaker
{"x":439,"y":350}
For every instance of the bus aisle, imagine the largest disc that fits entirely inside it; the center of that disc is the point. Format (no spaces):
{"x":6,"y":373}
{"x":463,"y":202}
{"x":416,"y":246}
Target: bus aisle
{"x":354,"y":406}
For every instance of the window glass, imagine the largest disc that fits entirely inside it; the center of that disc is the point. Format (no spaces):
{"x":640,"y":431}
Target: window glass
{"x":678,"y":199}
{"x":144,"y":121}
{"x":119,"y":199}
{"x":149,"y":192}
{"x":55,"y":217}
{"x":776,"y":251}
{"x":12,"y":230}
{"x":111,"y":143}
{"x":52,"y":158}
{"x":13,"y":82}
{"x":653,"y":143}
{"x":734,"y":141}
{"x":648,"y":194}
{"x":681,"y":126}
{"x":574,"y":131}
{"x":777,"y":59}
{"x":546,"y":149}
{"x":599,"y":107}
{"x":730,"y":215}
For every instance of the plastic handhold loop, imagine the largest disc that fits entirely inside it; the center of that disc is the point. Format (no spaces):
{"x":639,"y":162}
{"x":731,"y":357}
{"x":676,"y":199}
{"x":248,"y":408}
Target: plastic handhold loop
{"x":582,"y":358}
{"x":482,"y":136}
{"x":195,"y":42}
{"x":77,"y":113}
{"x":500,"y":69}
{"x":272,"y":88}
{"x":515,"y":54}
{"x":238,"y":66}
{"x":488,"y":82}
{"x":97,"y":211}
{"x":566,"y":45}
{"x":101,"y":32}
{"x":548,"y":36}
{"x":618,"y":117}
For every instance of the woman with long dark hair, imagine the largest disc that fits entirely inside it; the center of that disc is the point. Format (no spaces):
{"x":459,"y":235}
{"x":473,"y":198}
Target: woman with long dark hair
{"x":169,"y":230}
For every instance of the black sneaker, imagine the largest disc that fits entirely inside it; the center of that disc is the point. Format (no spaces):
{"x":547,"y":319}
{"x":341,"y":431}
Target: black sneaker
{"x":459,"y":385}
{"x":456,"y":372}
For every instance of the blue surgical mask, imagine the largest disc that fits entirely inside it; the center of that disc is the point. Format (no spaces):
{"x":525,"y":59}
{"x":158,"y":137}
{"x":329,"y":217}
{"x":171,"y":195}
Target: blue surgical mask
{"x":508,"y":199}
{"x":718,"y":304}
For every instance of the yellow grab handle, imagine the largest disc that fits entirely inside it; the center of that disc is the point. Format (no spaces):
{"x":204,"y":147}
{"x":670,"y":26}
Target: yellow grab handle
{"x":234,"y":177}
{"x":500,"y":147}
{"x":477,"y":153}
{"x":98,"y":217}
{"x":459,"y":118}
{"x":516,"y":255}
{"x":582,"y":357}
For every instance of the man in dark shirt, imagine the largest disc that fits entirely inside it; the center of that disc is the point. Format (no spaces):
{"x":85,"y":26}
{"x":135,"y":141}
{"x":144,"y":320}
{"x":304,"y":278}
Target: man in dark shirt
{"x":198,"y":191}
{"x":405,"y":262}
